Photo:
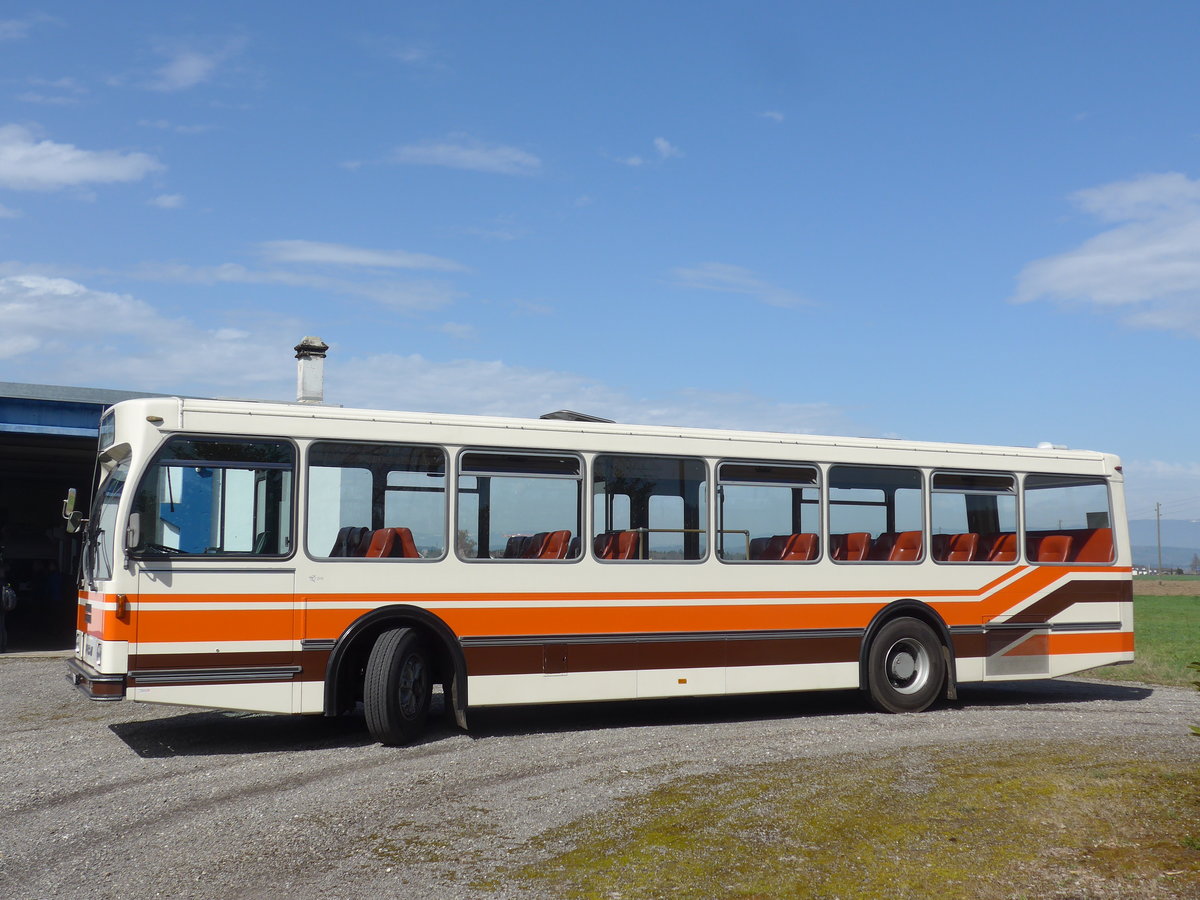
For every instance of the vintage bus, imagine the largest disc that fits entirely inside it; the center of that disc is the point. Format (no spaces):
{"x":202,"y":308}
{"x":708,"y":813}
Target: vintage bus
{"x":293,"y":558}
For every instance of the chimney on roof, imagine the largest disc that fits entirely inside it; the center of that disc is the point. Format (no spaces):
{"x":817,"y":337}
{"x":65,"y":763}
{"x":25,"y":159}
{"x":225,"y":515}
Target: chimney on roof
{"x":310,"y":370}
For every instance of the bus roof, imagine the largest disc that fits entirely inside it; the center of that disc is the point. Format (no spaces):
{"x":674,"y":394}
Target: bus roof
{"x":178,"y":411}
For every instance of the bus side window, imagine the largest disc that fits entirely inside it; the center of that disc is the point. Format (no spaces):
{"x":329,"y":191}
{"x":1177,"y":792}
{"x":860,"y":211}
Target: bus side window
{"x":974,"y":516}
{"x":768,"y":512}
{"x":376,"y":501}
{"x":876,"y":514}
{"x":657,"y":508}
{"x":519,"y":506}
{"x":217,"y":497}
{"x":1067,"y":520}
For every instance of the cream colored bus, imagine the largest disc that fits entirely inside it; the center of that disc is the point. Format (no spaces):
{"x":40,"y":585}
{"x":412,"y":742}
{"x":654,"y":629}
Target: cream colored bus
{"x":292,"y":558}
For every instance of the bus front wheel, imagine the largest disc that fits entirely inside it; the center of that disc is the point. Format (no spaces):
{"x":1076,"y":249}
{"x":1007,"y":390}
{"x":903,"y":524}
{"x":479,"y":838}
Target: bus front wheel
{"x":398,"y":687}
{"x":905,"y":666}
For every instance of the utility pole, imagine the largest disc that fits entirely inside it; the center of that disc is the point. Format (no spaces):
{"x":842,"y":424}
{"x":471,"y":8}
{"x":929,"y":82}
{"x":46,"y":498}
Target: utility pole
{"x":1158,"y":531}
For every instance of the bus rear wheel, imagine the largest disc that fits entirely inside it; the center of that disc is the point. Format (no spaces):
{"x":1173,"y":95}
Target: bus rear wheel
{"x":398,"y":687}
{"x":905,"y":666}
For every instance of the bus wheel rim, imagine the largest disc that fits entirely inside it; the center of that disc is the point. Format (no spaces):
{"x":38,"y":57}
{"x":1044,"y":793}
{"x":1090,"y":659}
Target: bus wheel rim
{"x":907,"y":666}
{"x":412,"y":685}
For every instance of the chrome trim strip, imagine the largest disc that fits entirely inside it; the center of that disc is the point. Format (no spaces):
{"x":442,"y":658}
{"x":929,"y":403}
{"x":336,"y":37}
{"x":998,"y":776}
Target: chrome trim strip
{"x":159,"y":677}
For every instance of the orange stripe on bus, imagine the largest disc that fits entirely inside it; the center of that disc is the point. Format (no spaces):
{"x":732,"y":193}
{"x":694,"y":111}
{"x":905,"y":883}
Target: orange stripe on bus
{"x":1110,"y":642}
{"x":214,"y":625}
{"x":471,"y":619}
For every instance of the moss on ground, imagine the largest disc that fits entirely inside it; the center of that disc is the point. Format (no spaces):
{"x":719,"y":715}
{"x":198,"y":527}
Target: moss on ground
{"x":1065,"y":820}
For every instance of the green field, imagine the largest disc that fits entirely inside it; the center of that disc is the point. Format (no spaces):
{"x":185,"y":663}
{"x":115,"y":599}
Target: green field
{"x":1167,"y":638}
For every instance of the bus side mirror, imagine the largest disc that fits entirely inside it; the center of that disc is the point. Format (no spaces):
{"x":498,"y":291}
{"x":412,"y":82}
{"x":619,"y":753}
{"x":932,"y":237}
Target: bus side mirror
{"x":73,"y":516}
{"x":133,"y":531}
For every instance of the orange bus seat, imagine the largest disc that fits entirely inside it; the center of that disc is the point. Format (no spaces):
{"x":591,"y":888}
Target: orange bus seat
{"x":555,"y":545}
{"x":1003,"y":548}
{"x":961,"y":547}
{"x":801,"y":546}
{"x":908,"y":547}
{"x":381,"y":543}
{"x":1054,"y":548}
{"x":616,"y":545}
{"x":851,"y":547}
{"x":392,"y":543}
{"x":1097,"y":546}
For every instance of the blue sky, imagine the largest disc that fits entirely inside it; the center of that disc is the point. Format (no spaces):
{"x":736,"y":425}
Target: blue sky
{"x":938,"y":221}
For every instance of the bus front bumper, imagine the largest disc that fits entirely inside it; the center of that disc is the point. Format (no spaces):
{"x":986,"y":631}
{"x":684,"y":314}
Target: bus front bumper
{"x":96,"y":685}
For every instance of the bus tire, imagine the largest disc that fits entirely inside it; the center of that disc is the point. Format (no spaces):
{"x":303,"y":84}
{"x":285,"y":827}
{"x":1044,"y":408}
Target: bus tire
{"x":906,"y":669}
{"x":398,"y":686}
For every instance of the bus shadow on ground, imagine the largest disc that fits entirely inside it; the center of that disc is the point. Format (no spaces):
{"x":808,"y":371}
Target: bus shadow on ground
{"x":512,"y":721}
{"x":241,"y":733}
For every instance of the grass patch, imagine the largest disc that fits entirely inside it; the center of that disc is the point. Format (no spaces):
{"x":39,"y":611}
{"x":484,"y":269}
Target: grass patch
{"x":1075,"y":820}
{"x":1167,"y":638}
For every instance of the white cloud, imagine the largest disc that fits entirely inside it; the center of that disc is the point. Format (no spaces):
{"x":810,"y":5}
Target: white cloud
{"x":461,"y":331}
{"x":1147,"y":265}
{"x":168,"y":201}
{"x":663,"y":148}
{"x":167,"y":125}
{"x":141,"y":348}
{"x":29,"y":164}
{"x":342,"y":255}
{"x":188,"y":67}
{"x":466,"y":153}
{"x":8,"y":213}
{"x":18,"y":29}
{"x":492,"y":387}
{"x":404,"y":296}
{"x":728,"y":279}
{"x":772,"y":114}
{"x":144,"y":349}
{"x":666,"y":150}
{"x":66,"y":91}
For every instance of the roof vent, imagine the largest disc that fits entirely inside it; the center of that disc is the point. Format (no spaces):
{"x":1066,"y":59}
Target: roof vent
{"x":569,"y":415}
{"x":310,"y":370}
{"x":1046,"y":445}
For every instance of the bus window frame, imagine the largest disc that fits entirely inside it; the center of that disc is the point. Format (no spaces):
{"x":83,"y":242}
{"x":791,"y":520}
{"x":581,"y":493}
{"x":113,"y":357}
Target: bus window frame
{"x":152,"y":463}
{"x":830,"y":503}
{"x":446,"y":459}
{"x":580,"y":498}
{"x":708,"y":519}
{"x":1104,"y":480}
{"x":1018,"y":512}
{"x":718,"y":511}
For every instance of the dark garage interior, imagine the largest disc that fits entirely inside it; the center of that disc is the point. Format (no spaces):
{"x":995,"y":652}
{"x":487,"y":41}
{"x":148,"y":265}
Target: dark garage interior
{"x":48,"y":440}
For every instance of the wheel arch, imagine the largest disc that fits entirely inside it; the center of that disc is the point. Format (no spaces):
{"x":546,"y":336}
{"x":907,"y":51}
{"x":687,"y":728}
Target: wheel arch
{"x":347,"y":661}
{"x":917,"y":610}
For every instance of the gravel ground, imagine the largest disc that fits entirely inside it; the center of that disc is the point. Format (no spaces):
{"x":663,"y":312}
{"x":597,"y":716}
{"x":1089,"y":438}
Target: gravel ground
{"x":104,"y":800}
